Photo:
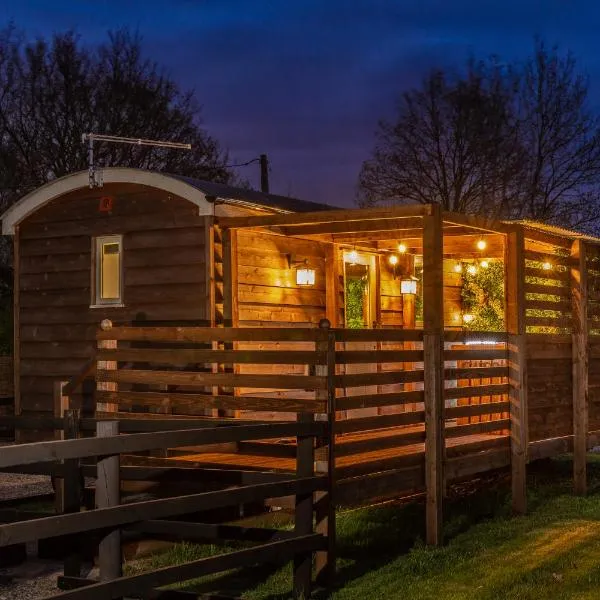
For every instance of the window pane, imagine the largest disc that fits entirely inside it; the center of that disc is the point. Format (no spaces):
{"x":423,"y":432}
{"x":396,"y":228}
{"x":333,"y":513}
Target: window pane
{"x":110,"y":280}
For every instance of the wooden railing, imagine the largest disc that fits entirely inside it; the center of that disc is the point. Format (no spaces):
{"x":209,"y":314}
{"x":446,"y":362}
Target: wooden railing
{"x":111,"y":516}
{"x":368,"y":384}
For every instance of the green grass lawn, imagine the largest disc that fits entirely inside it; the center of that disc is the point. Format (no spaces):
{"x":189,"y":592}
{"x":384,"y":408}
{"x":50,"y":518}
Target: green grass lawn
{"x":553,"y":552}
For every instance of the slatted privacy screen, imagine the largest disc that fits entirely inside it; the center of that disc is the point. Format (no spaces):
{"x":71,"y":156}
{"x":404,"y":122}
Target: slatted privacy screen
{"x":476,"y":387}
{"x":593,"y":289}
{"x":380,"y":412}
{"x":192,"y":370}
{"x":548,"y":303}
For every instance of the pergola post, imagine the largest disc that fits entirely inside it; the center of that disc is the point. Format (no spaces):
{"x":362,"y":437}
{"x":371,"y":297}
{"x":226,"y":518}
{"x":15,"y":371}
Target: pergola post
{"x":230,"y":277}
{"x":580,"y":365}
{"x":517,"y":360}
{"x":433,"y":350}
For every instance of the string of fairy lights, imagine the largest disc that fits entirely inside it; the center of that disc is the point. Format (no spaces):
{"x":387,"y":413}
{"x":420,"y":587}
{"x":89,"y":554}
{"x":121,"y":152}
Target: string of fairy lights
{"x":472,"y":268}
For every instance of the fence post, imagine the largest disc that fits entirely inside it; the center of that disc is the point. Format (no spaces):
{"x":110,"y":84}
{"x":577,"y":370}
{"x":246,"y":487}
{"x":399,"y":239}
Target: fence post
{"x":580,"y":353}
{"x":72,"y":493}
{"x":107,"y":365}
{"x":433,"y":364}
{"x":325,"y":506}
{"x":61,"y":404}
{"x":108,"y":494}
{"x":517,"y":363}
{"x":305,"y":456}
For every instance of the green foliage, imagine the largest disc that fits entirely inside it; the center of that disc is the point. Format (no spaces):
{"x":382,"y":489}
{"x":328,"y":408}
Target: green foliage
{"x":355,"y":293}
{"x":483,"y":297}
{"x":419,"y":296}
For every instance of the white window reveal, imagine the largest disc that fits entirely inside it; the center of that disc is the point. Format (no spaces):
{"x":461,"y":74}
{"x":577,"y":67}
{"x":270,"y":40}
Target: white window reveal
{"x":108,"y":283}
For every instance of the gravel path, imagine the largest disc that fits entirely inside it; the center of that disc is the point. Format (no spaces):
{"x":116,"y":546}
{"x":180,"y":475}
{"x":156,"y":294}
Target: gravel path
{"x":15,"y":485}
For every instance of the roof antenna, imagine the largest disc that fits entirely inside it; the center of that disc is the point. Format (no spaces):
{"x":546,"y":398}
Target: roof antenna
{"x":95,"y":175}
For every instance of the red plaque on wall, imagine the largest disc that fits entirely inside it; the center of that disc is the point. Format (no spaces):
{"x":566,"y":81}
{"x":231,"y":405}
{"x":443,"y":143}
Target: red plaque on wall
{"x":106,"y":204}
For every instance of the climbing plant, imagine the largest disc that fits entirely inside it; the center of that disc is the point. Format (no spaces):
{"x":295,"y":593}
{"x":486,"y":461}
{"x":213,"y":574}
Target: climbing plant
{"x":355,"y":293}
{"x":483,"y":296}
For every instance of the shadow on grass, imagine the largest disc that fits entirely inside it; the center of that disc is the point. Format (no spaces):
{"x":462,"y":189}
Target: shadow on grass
{"x":371,"y":538}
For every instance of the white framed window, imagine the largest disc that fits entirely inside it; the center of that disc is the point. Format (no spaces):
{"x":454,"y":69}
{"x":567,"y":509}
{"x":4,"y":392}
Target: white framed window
{"x":108,"y":271}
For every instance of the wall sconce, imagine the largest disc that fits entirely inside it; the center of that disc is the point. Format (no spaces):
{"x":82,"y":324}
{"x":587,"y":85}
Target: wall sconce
{"x":304,"y":275}
{"x":481,"y":244}
{"x":408,"y":286}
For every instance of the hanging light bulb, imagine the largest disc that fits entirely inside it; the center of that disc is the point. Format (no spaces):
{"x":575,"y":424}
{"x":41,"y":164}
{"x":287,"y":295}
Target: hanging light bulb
{"x":393,"y":260}
{"x":458,"y":268}
{"x":481,"y":244}
{"x":484,"y":264}
{"x":402,"y":248}
{"x":352,"y":256}
{"x":472,"y":270}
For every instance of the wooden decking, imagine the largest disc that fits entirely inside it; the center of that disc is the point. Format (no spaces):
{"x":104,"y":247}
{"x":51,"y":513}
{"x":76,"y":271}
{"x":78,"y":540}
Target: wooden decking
{"x":347,"y":466}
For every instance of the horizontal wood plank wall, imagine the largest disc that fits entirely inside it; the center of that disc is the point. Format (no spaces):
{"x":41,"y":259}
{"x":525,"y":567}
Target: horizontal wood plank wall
{"x":163,"y":257}
{"x":267,"y":287}
{"x":268,"y":295}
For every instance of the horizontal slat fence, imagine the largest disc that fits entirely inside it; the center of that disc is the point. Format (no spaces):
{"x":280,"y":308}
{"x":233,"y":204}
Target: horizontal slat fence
{"x":112,"y":515}
{"x":547,"y":275}
{"x":376,"y":377}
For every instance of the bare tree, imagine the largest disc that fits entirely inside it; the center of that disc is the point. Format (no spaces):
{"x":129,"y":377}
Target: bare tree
{"x":503,"y":140}
{"x":453,"y":142}
{"x":562,"y":138}
{"x":53,"y":91}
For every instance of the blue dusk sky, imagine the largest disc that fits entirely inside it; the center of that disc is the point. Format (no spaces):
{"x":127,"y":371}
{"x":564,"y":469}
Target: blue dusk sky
{"x":306,"y":81}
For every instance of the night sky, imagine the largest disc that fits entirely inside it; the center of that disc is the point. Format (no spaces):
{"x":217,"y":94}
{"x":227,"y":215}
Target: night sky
{"x":307,"y":80}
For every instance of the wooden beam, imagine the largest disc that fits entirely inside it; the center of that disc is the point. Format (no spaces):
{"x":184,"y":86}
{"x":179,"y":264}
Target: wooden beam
{"x":332,"y":284}
{"x":25,"y":454}
{"x":580,"y":349}
{"x":326,"y":216}
{"x":393,"y":226}
{"x":433,"y":319}
{"x":230,"y":278}
{"x":517,"y":345}
{"x":209,"y":270}
{"x":477,"y":222}
{"x":325,"y":517}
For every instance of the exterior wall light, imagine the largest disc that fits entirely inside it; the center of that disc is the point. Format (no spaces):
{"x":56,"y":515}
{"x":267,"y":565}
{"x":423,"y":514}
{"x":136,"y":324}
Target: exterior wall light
{"x":408,"y":286}
{"x":393,"y":260}
{"x":305,"y":277}
{"x":481,"y":244}
{"x":547,"y":266}
{"x":402,"y":248}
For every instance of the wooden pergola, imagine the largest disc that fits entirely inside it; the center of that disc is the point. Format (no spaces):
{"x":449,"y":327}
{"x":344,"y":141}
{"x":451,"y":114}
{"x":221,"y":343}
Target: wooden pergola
{"x":434,"y":233}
